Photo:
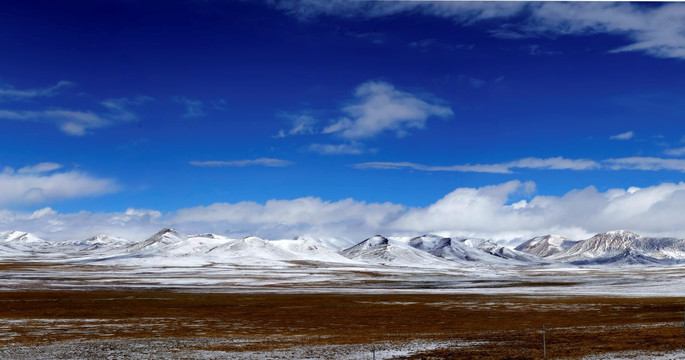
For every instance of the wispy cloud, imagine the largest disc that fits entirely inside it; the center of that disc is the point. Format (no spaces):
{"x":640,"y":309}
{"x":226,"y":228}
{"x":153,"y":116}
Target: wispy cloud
{"x":268,"y":162}
{"x":379,"y":107}
{"x":675,"y":152}
{"x":40,"y":168}
{"x":194,"y":108}
{"x":74,"y":122}
{"x":655,"y":30}
{"x":337,"y":149}
{"x":623,"y":136}
{"x":70,"y":122}
{"x":556,"y":163}
{"x":8,"y":92}
{"x":646,"y":163}
{"x":301,"y":125}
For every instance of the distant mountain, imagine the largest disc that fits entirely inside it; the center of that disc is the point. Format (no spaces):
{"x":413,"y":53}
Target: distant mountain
{"x":162,"y":239}
{"x":169,"y":247}
{"x":19,"y":243}
{"x":622,"y":246}
{"x":94,"y":243}
{"x":381,"y":250}
{"x":544,"y":246}
{"x":468,"y":249}
{"x":309,"y":249}
{"x":20,"y":237}
{"x":625,"y":257}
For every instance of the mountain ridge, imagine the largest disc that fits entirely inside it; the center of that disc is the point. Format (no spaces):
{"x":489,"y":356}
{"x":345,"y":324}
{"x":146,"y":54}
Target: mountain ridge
{"x":618,"y":247}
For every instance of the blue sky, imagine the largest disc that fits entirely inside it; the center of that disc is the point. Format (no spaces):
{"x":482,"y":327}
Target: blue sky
{"x":150,"y":111}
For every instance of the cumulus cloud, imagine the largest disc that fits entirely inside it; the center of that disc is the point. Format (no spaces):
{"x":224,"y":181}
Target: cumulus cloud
{"x":488,"y":212}
{"x":32,"y":184}
{"x":578,"y":213}
{"x":380,"y":107}
{"x":623,"y":136}
{"x":133,"y":224}
{"x":657,"y":30}
{"x":268,"y":162}
{"x":555,"y":163}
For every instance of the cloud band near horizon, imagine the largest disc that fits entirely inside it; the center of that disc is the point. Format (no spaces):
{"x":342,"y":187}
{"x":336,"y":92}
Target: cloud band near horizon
{"x":485,"y":212}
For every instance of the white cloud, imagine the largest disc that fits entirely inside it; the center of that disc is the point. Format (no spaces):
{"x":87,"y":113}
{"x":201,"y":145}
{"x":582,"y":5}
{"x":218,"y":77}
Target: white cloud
{"x":9,"y":92}
{"x":134,"y":224}
{"x":40,"y":168}
{"x":30,"y":185}
{"x":268,"y":162}
{"x":487,"y":211}
{"x":380,"y":107}
{"x":337,"y":149}
{"x":623,"y":136}
{"x":658,"y":30}
{"x":194,"y":108}
{"x":555,"y":163}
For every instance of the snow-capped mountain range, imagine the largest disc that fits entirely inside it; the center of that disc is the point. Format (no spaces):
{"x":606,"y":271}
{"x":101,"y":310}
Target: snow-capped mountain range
{"x":170,"y":247}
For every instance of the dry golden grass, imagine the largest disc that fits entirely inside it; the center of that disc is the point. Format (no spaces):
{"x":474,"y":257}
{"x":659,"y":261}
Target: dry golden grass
{"x":504,"y":326}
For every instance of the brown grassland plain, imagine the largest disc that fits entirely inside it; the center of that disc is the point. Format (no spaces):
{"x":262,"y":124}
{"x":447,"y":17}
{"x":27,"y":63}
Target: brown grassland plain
{"x":497,"y":327}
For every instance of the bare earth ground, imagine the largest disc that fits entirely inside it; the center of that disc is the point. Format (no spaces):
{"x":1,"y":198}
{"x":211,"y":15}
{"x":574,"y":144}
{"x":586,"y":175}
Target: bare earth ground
{"x":49,"y":319}
{"x":160,"y":324}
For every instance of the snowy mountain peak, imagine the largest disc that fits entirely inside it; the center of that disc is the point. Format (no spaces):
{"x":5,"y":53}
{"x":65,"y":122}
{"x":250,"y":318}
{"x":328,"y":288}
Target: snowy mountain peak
{"x":205,"y":236}
{"x":103,"y":239}
{"x":547,"y":245}
{"x":19,"y":236}
{"x":375,"y":241}
{"x":167,"y":231}
{"x":162,"y":238}
{"x":620,"y":233}
{"x":429,"y":242}
{"x":603,"y":245}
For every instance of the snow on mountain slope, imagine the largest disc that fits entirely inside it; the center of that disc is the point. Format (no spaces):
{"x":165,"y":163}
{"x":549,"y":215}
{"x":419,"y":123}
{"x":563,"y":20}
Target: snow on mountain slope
{"x":663,"y":248}
{"x":547,"y":245}
{"x":446,"y":248}
{"x":467,"y":249}
{"x":19,"y":243}
{"x":309,"y":249}
{"x":603,"y":245}
{"x":499,"y":251}
{"x":614,"y":246}
{"x":251,"y":250}
{"x":626,"y":257}
{"x":380,"y":250}
{"x":98,"y":242}
{"x":169,"y":247}
{"x":160,"y":241}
